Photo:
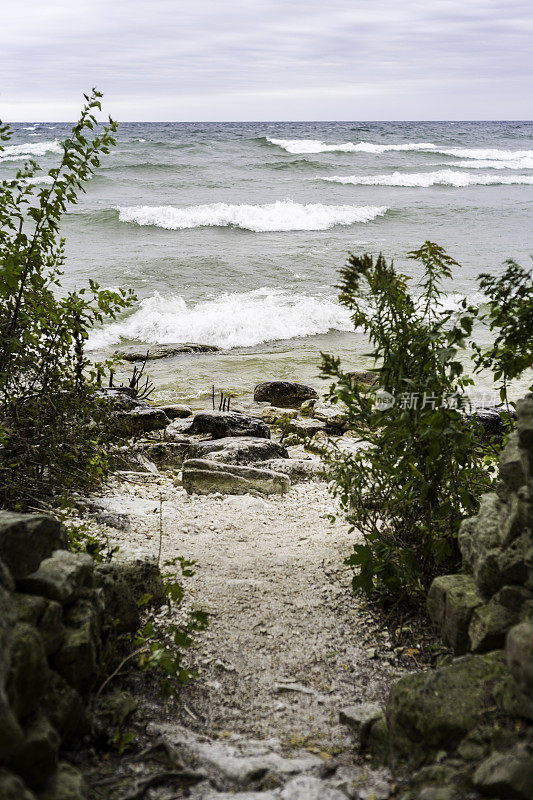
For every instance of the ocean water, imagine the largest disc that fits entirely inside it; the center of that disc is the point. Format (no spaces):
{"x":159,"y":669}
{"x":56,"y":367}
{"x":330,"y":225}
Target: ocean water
{"x":233,"y":233}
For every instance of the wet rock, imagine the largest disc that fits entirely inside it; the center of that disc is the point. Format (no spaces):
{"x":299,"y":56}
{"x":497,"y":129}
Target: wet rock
{"x":201,"y":476}
{"x":283,"y":394}
{"x":28,"y":673}
{"x":65,"y":784}
{"x":37,"y":758}
{"x":167,"y":455}
{"x":220,"y":424}
{"x":154,"y":352}
{"x":508,"y":775}
{"x":432,"y":710}
{"x":239,"y":450}
{"x":489,"y":625}
{"x":45,"y":615}
{"x":61,"y":577}
{"x":360,"y":718}
{"x":25,"y":539}
{"x":451,"y":602}
{"x":491,"y":422}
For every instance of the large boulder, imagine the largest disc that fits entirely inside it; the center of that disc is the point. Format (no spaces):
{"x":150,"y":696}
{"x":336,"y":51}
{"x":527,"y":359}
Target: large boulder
{"x":333,"y":415}
{"x":278,"y":416}
{"x":201,"y":476}
{"x":36,"y":760}
{"x":144,"y":420}
{"x":220,"y":424}
{"x":298,"y":469}
{"x":63,"y":706}
{"x":77,"y":660}
{"x":306,"y":427}
{"x":121,"y":608}
{"x":10,"y":732}
{"x":61,"y":577}
{"x":519,"y":652}
{"x":239,"y":450}
{"x":283,"y":394}
{"x":25,"y":539}
{"x":166,"y":455}
{"x":433,"y":710}
{"x":45,"y":615}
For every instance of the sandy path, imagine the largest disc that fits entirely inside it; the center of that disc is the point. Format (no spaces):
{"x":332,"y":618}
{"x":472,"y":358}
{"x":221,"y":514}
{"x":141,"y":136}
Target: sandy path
{"x":270,"y":571}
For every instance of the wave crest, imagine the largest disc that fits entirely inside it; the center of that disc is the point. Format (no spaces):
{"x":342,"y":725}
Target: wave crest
{"x":444,"y":177}
{"x":230,"y":320}
{"x":280,"y":216}
{"x":19,"y":152}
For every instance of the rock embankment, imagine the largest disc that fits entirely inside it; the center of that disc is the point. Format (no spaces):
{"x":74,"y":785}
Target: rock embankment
{"x":57,"y":609}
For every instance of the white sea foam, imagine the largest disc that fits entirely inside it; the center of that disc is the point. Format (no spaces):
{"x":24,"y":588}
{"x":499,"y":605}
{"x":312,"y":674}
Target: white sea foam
{"x":300,"y":146}
{"x":525,"y":162}
{"x":230,"y":320}
{"x":19,"y":152}
{"x":444,"y":177}
{"x":280,"y":216}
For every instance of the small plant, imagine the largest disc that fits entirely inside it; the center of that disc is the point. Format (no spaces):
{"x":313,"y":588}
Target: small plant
{"x":420,"y":469}
{"x":161,"y":641}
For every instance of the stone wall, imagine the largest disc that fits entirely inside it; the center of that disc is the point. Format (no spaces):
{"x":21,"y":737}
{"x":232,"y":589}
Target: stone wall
{"x":465,"y":728}
{"x":57,"y":609}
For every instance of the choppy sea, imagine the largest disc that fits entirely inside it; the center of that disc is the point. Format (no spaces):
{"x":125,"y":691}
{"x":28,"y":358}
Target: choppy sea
{"x":232,"y":233}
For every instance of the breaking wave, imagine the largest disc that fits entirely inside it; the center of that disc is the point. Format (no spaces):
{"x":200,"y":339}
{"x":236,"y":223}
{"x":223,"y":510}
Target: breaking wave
{"x":19,"y":152}
{"x":230,"y":320}
{"x":283,"y":215}
{"x":444,"y":177}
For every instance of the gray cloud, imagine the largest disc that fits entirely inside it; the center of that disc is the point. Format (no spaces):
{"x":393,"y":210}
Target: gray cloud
{"x":260,"y":59}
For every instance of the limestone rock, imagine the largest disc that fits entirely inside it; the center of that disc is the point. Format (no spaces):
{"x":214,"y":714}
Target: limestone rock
{"x":28,"y":672}
{"x":524,"y":408}
{"x":12,"y":787}
{"x":25,"y":539}
{"x":220,"y":424}
{"x":201,"y":476}
{"x":61,"y":577}
{"x":360,"y":718}
{"x":65,"y":784}
{"x":507,"y":775}
{"x":283,"y":394}
{"x":480,"y":534}
{"x":451,"y":601}
{"x":121,"y":609}
{"x":489,"y":625}
{"x":45,"y":615}
{"x":298,"y":469}
{"x":310,"y":788}
{"x":143,"y":420}
{"x":278,"y":416}
{"x":63,"y":706}
{"x":167,"y":455}
{"x":429,"y":711}
{"x":239,"y":450}
{"x":519,"y":652}
{"x":334,"y":416}
{"x":37,"y":758}
{"x":510,"y":465}
{"x":305,"y":428}
{"x":365,"y":377}
{"x":77,"y":658}
{"x":176,"y":410}
{"x":177,"y":431}
{"x":143,"y":577}
{"x":154,"y":352}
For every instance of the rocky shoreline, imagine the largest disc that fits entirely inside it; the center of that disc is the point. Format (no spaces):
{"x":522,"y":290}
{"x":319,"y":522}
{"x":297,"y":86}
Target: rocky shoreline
{"x":298,"y":696}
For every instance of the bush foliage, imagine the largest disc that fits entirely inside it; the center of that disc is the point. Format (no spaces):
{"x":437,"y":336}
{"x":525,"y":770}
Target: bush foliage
{"x":52,"y":427}
{"x":418,"y":469}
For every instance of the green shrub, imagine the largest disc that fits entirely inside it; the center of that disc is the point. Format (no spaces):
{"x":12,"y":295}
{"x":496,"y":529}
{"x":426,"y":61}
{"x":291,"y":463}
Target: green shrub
{"x":52,"y":427}
{"x":418,"y":469}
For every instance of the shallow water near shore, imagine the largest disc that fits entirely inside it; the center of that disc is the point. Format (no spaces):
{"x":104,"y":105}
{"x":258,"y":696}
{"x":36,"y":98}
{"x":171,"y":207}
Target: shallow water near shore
{"x":232,"y":234}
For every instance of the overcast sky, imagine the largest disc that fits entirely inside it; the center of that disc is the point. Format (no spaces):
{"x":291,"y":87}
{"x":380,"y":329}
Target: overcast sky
{"x":268,"y":59}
